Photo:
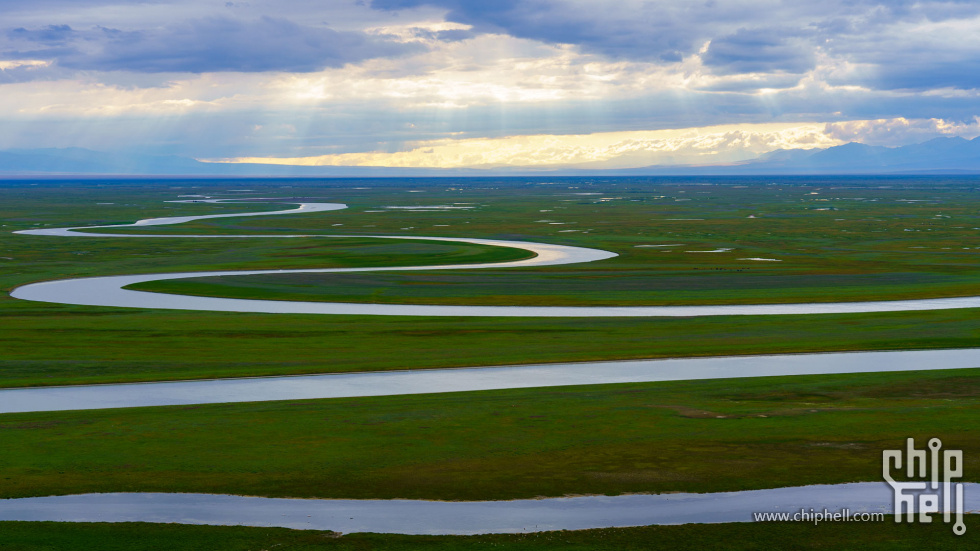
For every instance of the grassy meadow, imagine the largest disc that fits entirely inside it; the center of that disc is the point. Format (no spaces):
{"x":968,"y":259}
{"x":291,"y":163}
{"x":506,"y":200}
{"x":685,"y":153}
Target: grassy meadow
{"x":827,"y":238}
{"x":691,"y":436}
{"x":835,"y":239}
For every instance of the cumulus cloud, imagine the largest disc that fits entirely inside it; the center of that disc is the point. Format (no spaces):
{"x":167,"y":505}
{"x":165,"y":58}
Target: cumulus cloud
{"x":25,"y":70}
{"x":901,"y":131}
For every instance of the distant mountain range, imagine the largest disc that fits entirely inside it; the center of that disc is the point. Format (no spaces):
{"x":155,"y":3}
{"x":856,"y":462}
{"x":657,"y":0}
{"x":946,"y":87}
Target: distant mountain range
{"x":939,"y":155}
{"x":936,"y":156}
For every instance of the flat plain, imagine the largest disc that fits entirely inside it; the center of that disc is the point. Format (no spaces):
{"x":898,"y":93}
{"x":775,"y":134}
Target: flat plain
{"x":680,"y":241}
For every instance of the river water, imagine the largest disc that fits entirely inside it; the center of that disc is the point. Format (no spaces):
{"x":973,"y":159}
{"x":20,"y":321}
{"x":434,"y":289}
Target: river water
{"x":390,"y":383}
{"x":441,"y":517}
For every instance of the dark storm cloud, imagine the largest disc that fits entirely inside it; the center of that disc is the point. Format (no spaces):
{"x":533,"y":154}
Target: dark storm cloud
{"x":964,"y":74}
{"x":745,"y":36}
{"x":772,"y":81}
{"x":943,"y":58}
{"x":648,"y":31}
{"x":921,"y":75}
{"x":753,"y":51}
{"x":210,"y":45}
{"x":52,"y":34}
{"x":38,"y":53}
{"x":648,"y":34}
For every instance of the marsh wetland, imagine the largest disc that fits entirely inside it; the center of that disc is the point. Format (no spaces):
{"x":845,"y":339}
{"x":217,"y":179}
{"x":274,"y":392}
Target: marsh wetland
{"x":678,"y":241}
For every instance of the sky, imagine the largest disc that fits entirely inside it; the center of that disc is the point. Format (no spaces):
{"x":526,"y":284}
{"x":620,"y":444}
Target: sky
{"x":485,"y":83}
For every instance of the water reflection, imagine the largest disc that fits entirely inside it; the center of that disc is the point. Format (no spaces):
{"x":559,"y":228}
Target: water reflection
{"x":434,"y":517}
{"x":389,"y":383}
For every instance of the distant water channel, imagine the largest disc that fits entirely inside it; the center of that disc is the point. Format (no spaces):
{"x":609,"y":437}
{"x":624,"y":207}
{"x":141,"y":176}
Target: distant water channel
{"x":109,"y":291}
{"x":442,"y":517}
{"x":390,"y":383}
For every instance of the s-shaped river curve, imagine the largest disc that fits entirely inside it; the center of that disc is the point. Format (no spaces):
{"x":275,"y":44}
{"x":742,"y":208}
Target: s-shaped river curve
{"x":429,"y":517}
{"x":110,"y":291}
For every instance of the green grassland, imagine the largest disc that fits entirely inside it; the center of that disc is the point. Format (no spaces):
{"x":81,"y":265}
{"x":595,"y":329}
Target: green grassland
{"x":850,"y":241}
{"x":692,"y":436}
{"x":55,"y":345}
{"x":566,"y":288}
{"x":877,"y":238}
{"x":859,"y":251}
{"x":50,"y":536}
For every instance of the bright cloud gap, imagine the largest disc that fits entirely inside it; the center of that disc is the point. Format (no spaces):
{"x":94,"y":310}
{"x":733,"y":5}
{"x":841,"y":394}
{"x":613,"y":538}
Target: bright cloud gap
{"x":632,"y":149}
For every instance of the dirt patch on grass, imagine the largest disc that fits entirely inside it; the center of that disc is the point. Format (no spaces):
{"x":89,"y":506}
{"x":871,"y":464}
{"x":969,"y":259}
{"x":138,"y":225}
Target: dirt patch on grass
{"x":638,"y":476}
{"x":695,"y":413}
{"x":952,"y":387}
{"x":46,"y":424}
{"x":787,"y":396}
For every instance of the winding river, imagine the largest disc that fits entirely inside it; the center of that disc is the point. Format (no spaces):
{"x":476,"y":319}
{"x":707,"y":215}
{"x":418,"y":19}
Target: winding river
{"x":432,"y":517}
{"x":110,"y":291}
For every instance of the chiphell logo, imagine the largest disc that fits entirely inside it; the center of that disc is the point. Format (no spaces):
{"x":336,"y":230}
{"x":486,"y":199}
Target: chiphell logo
{"x":936,"y":472}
